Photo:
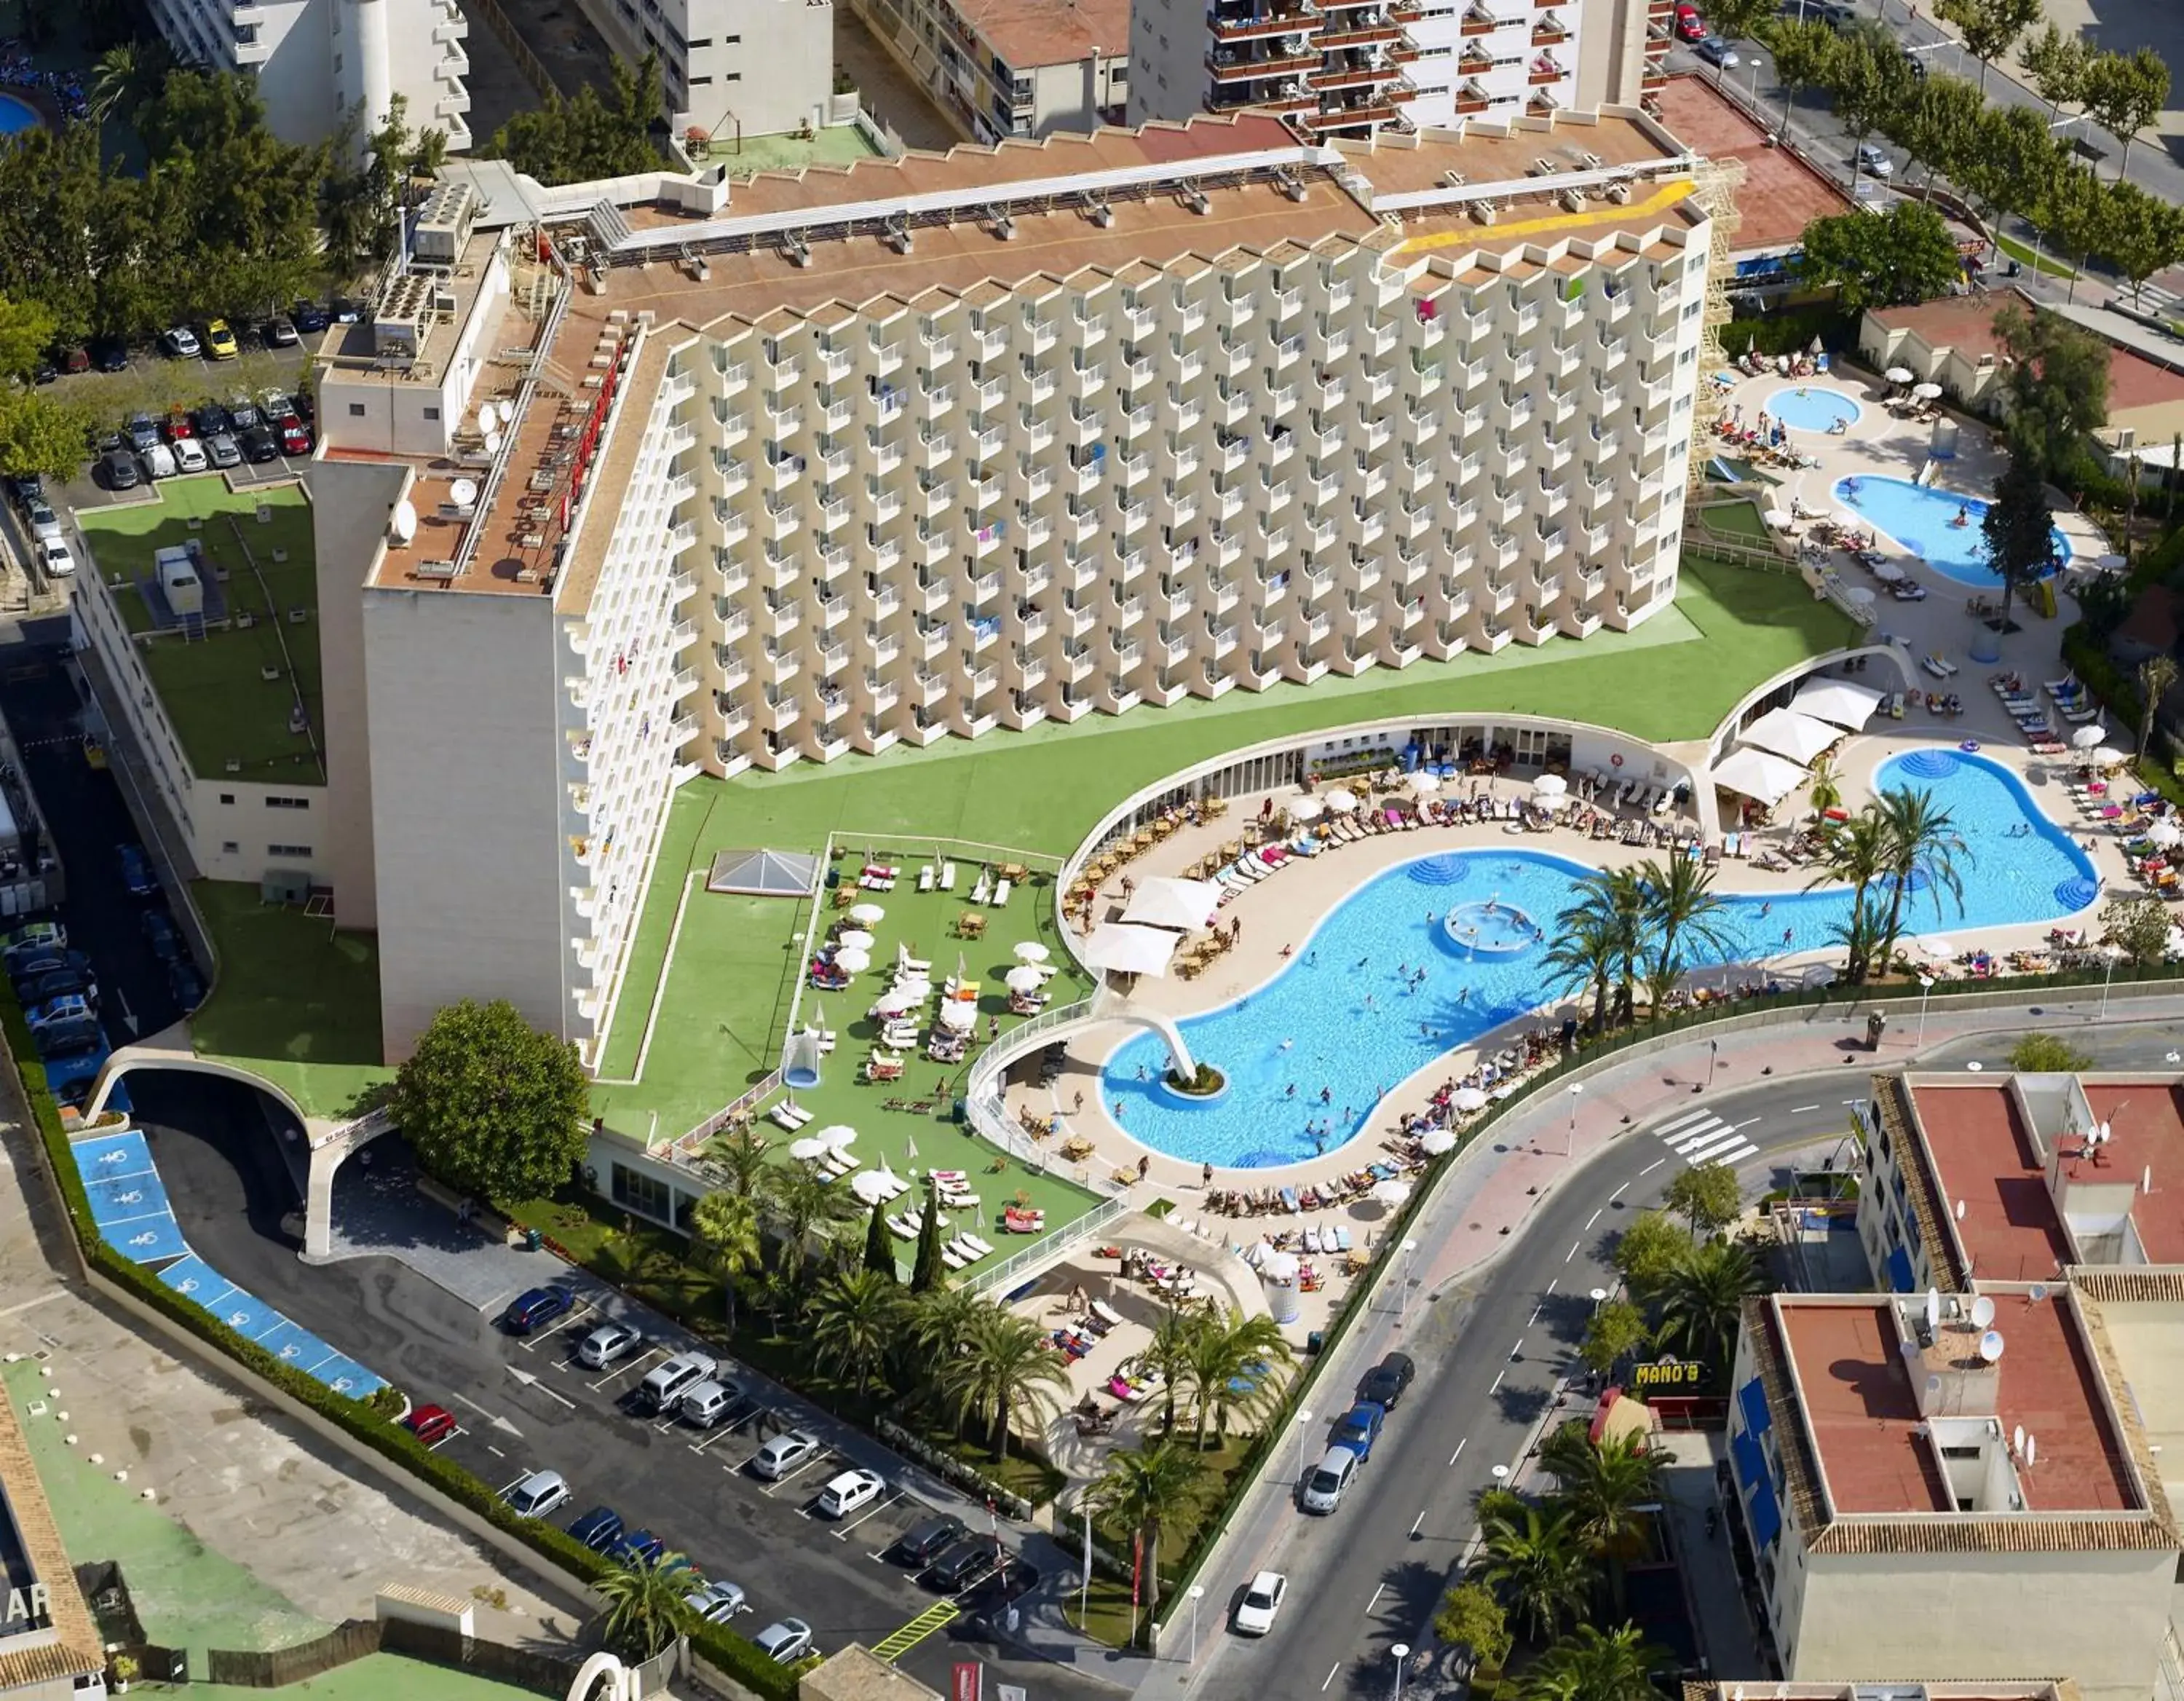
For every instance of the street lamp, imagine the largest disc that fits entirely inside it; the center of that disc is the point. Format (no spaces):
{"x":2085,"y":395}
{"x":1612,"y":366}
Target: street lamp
{"x":1576,"y":1092}
{"x":1599,"y":1298}
{"x":1758,"y":64}
{"x":1197,"y":1593}
{"x":2111,"y":953}
{"x":1401,"y":1651}
{"x":1925,"y":986}
{"x":1713,"y":1056}
{"x":1303,"y":1420}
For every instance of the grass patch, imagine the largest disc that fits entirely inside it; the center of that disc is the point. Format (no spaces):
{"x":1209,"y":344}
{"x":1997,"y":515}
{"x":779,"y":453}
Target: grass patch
{"x":2023,"y":254}
{"x":839,"y":144}
{"x":1103,"y":1612}
{"x":1740,"y":521}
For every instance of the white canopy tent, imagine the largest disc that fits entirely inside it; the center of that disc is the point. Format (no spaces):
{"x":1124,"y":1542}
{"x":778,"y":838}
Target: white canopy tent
{"x":1788,"y":733}
{"x":1162,"y":902}
{"x":1757,"y":774}
{"x":1837,"y":701}
{"x":1125,"y":949}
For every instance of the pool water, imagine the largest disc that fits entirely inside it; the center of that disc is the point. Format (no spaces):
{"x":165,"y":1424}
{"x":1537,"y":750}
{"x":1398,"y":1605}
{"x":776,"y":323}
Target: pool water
{"x":1922,"y":522}
{"x":1380,"y":988}
{"x":17,"y":116}
{"x":1813,"y":407}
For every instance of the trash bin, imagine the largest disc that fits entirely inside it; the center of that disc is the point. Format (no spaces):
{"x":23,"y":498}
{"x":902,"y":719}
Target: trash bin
{"x":532,"y":1239}
{"x":1875,"y":1025}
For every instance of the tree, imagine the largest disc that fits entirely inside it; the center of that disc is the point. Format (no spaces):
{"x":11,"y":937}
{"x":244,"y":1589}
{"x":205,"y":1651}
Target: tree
{"x":1736,"y":19}
{"x":724,"y":1228}
{"x":492,"y":1106}
{"x":1006,"y":1369}
{"x":2044,"y":1054}
{"x":927,"y":1271}
{"x":853,"y":1317}
{"x":1896,"y":257}
{"x":1869,"y":78}
{"x":805,"y":1204}
{"x":1167,"y":1356}
{"x":1593,"y":1665}
{"x":1703,"y":1296}
{"x":1615,"y":1331}
{"x":2017,"y":525}
{"x":1606,"y":1485}
{"x":1610,"y":903}
{"x":127,"y":74}
{"x":880,"y":1242}
{"x":2009,"y":163}
{"x":645,"y":1605}
{"x":1471,"y":1618}
{"x":2057,"y":375}
{"x":575,"y":141}
{"x":939,"y":1322}
{"x":2157,"y":678}
{"x":1823,"y":788}
{"x":40,"y":435}
{"x":1854,"y":853}
{"x":1141,"y":1490}
{"x":2137,"y":233}
{"x":1680,"y":908}
{"x":2055,"y":62}
{"x":1990,"y":27}
{"x":27,"y":332}
{"x":2137,"y":926}
{"x":1585,"y":953}
{"x":1939,"y":127}
{"x":740,"y":1154}
{"x":1707,"y":1196}
{"x":1646,"y":1250}
{"x":2125,"y":92}
{"x":1923,"y":844}
{"x":1536,"y":1566}
{"x":1802,"y":53}
{"x":1230,"y":1360}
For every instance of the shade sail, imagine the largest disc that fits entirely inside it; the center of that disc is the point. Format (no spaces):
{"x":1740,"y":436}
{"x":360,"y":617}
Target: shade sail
{"x":1125,"y":949}
{"x":1788,"y":733}
{"x":1166,"y":903}
{"x":1757,"y":774}
{"x":1837,"y":700}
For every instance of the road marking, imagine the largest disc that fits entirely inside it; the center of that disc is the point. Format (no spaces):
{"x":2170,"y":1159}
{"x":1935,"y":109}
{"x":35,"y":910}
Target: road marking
{"x":1533,"y":1318}
{"x":21,"y":1305}
{"x":1551,"y":1288}
{"x":1498,"y":1376}
{"x":636,"y":1360}
{"x":878,"y":1506}
{"x":1417,"y":1520}
{"x":584,"y":1309}
{"x":1460,"y":1446}
{"x":892,"y":1647}
{"x":1652,"y":1166}
{"x":494,"y":1450}
{"x":719,"y":1434}
{"x":1331,"y":1671}
{"x":498,"y":1421}
{"x":1799,"y":1110}
{"x":1517,"y":1348}
{"x":1375,"y":1601}
{"x":1572,"y":1251}
{"x":531,"y":1381}
{"x":504,"y":1491}
{"x":1595,"y":1216}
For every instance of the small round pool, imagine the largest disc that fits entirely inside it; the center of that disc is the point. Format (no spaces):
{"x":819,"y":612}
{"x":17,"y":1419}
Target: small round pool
{"x":17,"y":115}
{"x":1490,"y":928}
{"x":1813,"y":407}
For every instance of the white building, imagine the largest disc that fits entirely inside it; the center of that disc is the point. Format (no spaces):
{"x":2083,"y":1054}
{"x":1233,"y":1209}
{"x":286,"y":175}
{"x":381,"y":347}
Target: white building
{"x":761,"y":67}
{"x":1013,"y":67}
{"x":317,"y":60}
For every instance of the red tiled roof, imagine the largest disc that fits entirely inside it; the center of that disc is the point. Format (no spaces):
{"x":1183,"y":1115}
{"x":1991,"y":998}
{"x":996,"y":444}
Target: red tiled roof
{"x":1965,"y":323}
{"x":1985,"y":1158}
{"x":1862,"y":1407}
{"x":1781,"y":194}
{"x":2146,"y":1126}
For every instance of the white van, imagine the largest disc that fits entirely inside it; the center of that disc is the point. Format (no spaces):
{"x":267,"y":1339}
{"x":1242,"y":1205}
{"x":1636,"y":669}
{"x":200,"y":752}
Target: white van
{"x":666,"y":1383}
{"x":1329,"y":1480}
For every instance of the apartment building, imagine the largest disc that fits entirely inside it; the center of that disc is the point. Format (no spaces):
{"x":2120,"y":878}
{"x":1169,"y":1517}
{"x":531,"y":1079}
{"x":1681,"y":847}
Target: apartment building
{"x":756,"y":67}
{"x":1349,"y":67}
{"x":625,"y":483}
{"x":1013,"y":67}
{"x":315,"y":61}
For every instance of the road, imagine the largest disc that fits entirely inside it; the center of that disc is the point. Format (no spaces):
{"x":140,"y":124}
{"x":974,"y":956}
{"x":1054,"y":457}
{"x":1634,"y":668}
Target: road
{"x":1492,"y":1352}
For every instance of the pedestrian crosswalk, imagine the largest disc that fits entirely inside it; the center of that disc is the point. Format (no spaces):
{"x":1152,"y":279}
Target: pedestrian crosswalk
{"x":1701,"y":1137}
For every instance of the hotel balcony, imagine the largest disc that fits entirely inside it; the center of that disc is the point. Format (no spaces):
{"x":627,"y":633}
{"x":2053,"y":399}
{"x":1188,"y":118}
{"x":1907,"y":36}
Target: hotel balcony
{"x":1356,"y":73}
{"x":1548,"y":29}
{"x":1239,"y":67}
{"x":1358,"y":29}
{"x":1544,"y":69}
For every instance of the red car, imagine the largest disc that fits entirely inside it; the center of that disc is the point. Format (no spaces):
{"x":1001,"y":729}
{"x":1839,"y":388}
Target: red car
{"x":1690,"y":26}
{"x":180,"y":425}
{"x":295,"y":439}
{"x":432,"y":1424}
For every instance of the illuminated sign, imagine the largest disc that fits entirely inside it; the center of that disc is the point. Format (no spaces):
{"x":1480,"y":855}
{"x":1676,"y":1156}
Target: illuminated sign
{"x":1668,"y":1376}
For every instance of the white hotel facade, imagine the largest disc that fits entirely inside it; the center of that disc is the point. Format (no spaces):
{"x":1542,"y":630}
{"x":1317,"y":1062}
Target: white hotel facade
{"x":658,"y":479}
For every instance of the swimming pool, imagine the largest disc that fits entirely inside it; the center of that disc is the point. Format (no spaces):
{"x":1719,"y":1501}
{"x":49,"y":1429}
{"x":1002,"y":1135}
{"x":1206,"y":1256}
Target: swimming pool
{"x":17,"y":115}
{"x":1813,"y":407}
{"x":1923,"y":521}
{"x":1380,"y":988}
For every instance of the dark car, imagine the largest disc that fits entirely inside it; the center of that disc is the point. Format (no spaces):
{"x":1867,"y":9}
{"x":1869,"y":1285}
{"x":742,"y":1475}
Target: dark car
{"x":69,"y":1040}
{"x":599,"y":1529}
{"x":1917,"y":64}
{"x":119,"y":470}
{"x":27,"y":963}
{"x":345,"y":310}
{"x":186,"y":984}
{"x":26,"y":488}
{"x":966,"y":1565}
{"x":212,"y":420}
{"x":638,"y":1549}
{"x":109,"y":354}
{"x":1384,"y":1383}
{"x":308,"y":317}
{"x":1360,"y":1428}
{"x":986,"y":1607}
{"x":164,"y":938}
{"x":527,"y":1310}
{"x":137,"y":871}
{"x":431,"y":1424}
{"x":143,"y":431}
{"x":62,"y":982}
{"x":46,"y":372}
{"x":923,"y":1543}
{"x":259,"y":445}
{"x":243,"y":414}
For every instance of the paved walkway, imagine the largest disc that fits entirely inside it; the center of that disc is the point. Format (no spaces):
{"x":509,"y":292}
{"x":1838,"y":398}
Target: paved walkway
{"x":379,"y":1212}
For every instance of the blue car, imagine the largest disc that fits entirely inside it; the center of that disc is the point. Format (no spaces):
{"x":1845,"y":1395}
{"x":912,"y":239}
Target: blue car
{"x":526,"y":1311}
{"x":1360,"y":1428}
{"x":137,"y":871}
{"x":161,"y":933}
{"x":599,"y":1529}
{"x":637,"y":1550}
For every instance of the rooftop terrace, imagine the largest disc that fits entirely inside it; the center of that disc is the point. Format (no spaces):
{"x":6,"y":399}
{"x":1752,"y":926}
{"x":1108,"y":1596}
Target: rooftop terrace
{"x":1985,"y":1157}
{"x":2145,"y":1122}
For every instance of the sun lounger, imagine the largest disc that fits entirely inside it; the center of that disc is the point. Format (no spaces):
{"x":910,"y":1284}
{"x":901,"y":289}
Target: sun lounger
{"x":1023,"y":1222}
{"x":953,"y":1260}
{"x":1312,"y":1239}
{"x":1001,"y":895}
{"x":947,"y":877}
{"x":1105,"y":1312}
{"x":789,"y":1116}
{"x":900,"y":1228}
{"x":984,"y":888}
{"x":925,"y":878}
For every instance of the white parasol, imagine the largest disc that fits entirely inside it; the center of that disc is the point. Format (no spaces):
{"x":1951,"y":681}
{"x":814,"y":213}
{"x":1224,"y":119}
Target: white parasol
{"x":2088,"y":735}
{"x":916,"y":988}
{"x":1860,"y":595}
{"x":1391,"y":1192}
{"x":2165,"y":834}
{"x":1031,"y":951}
{"x":895,"y":1003}
{"x":1469,"y":1099}
{"x":1027,"y":979}
{"x":1927,"y":392}
{"x":836,"y":1136}
{"x":1309,"y":807}
{"x":1341,"y":801}
{"x":1435,"y":1141}
{"x":1424,"y":784}
{"x":852,"y":962}
{"x":1278,"y":1266}
{"x":2108,"y":564}
{"x":867,"y":915}
{"x":2107,"y":757}
{"x":1889,"y":574}
{"x":1778,"y":520}
{"x":811,"y":1146}
{"x":959,"y":1015}
{"x":871,"y":1186}
{"x":1899,"y":375}
{"x":1550,"y":785}
{"x":1940,"y":950}
{"x":855,"y":939}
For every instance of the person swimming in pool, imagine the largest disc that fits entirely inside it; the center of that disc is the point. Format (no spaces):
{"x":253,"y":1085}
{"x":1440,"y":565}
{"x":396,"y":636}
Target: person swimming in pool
{"x":1963,"y":516}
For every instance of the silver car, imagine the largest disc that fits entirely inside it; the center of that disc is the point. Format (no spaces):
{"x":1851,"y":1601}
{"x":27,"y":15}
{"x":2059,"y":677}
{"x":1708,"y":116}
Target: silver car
{"x":718,"y":1602}
{"x":539,"y":1493}
{"x":609,"y":1342}
{"x":785,"y":1641}
{"x":784,"y":1453}
{"x":221,"y":450}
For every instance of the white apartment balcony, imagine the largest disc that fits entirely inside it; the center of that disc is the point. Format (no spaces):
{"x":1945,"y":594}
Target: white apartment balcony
{"x":935,"y":450}
{"x":734,"y":379}
{"x":733,"y":427}
{"x":779,"y":712}
{"x":1043,"y":333}
{"x":990,"y":343}
{"x":779,"y":667}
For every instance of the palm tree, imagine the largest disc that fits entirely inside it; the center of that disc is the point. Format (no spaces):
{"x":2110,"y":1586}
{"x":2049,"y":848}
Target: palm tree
{"x":1604,"y":1484}
{"x":1593,"y":1665}
{"x":804,"y":1203}
{"x":1168,"y":1356}
{"x":1143,"y":1488}
{"x":1854,"y":853}
{"x":724,"y":1232}
{"x":1611,"y":903}
{"x":2157,"y":675}
{"x":1921,"y":839}
{"x":1006,"y":1369}
{"x":1824,"y":787}
{"x":1584,"y":955}
{"x":1702,"y":1297}
{"x":1535,"y":1563}
{"x":1680,"y":908}
{"x":1230,"y":1359}
{"x":644,"y":1604}
{"x":741,"y":1155}
{"x":853,"y":1317}
{"x":939,"y":1323}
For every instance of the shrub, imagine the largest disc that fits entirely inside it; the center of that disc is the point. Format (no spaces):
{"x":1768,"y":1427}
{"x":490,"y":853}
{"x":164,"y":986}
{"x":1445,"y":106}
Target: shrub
{"x":1201,"y":1082}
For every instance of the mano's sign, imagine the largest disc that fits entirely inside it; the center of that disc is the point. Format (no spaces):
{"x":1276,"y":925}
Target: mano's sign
{"x":1670,"y":1376}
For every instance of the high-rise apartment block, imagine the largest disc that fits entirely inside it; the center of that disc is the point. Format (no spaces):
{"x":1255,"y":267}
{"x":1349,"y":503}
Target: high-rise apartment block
{"x":1013,"y":67}
{"x":317,"y":61}
{"x":730,"y":67}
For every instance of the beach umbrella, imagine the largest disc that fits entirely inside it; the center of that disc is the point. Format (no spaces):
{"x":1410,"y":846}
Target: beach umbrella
{"x":1815,"y":346}
{"x":2165,"y":834}
{"x":1821,"y":974}
{"x":2108,"y":564}
{"x":1031,"y":951}
{"x":1278,"y":1266}
{"x":2107,"y":757}
{"x":871,"y":1186}
{"x":1309,"y":807}
{"x":1437,"y":1141}
{"x":1469,"y":1099}
{"x":1778,"y":520}
{"x":855,"y":939}
{"x":1391,"y":1192}
{"x":895,"y":1003}
{"x":852,"y":962}
{"x":1025,"y":980}
{"x":1550,"y":785}
{"x":1899,"y":375}
{"x":2088,"y":735}
{"x":1859,"y":594}
{"x":1888,"y":573}
{"x":1341,"y":801}
{"x":916,"y":988}
{"x":837,"y":1137}
{"x":1424,"y":784}
{"x":811,"y":1146}
{"x":1927,"y":392}
{"x":1940,"y":950}
{"x":957,"y":1014}
{"x":867,"y":915}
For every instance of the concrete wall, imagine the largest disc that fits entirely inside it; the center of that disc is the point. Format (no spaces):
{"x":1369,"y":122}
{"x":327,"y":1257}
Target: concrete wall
{"x":1167,"y":59}
{"x":766,"y":63}
{"x":417,"y":414}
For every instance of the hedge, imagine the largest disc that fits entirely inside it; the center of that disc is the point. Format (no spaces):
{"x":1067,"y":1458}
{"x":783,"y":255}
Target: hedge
{"x":734,"y":1655}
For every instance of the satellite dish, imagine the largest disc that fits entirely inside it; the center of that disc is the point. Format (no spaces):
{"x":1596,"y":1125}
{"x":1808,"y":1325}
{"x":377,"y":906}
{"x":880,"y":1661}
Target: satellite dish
{"x":1960,"y":1210}
{"x":1933,"y":1308}
{"x":464,"y":492}
{"x":2032,"y":1449}
{"x":403,"y":523}
{"x":1982,"y":1311}
{"x":486,"y":417}
{"x":2017,"y":1439}
{"x":2106,"y":1132}
{"x":2037,"y":1292}
{"x":1909,"y":1349}
{"x":493,"y":443}
{"x":1933,"y":1389}
{"x":1990,"y":1347}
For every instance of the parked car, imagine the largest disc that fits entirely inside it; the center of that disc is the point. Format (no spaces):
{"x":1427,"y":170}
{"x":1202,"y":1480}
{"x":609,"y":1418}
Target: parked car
{"x":26,"y":488}
{"x":179,"y":425}
{"x":57,"y":1012}
{"x":638,"y":1549}
{"x":41,"y":989}
{"x":211,"y":418}
{"x":243,"y":414}
{"x":718,"y":1602}
{"x":709,"y":1404}
{"x":295,"y":438}
{"x":784,"y":1643}
{"x":1716,"y":52}
{"x":534,"y":1307}
{"x":1360,"y":1428}
{"x":1262,"y":1599}
{"x":345,"y":310}
{"x":308,"y":317}
{"x":599,"y":1529}
{"x":1385,"y":1382}
{"x":118,"y":469}
{"x":56,"y":560}
{"x":1690,"y":26}
{"x":609,"y":1342}
{"x":782,"y":1453}
{"x":1330,"y":1481}
{"x":142,"y":431}
{"x":274,"y":406}
{"x":1917,"y":63}
{"x":222,"y":449}
{"x":186,"y":984}
{"x":109,"y":354}
{"x":28,"y":962}
{"x":137,"y":872}
{"x":45,"y":524}
{"x":259,"y":445}
{"x":539,"y":1493}
{"x":966,"y":1564}
{"x":669,"y":1381}
{"x":190,"y":456}
{"x":277,"y":332}
{"x":1874,"y":162}
{"x":159,"y":462}
{"x":430,"y":1424}
{"x":161,"y":933}
{"x":69,"y":1040}
{"x":848,"y":1491}
{"x":923,"y":1542}
{"x":181,"y":343}
{"x":219,"y":340}
{"x":35,"y":936}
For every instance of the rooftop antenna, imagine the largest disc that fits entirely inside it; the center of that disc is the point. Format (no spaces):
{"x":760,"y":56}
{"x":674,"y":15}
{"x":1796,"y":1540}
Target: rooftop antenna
{"x":1990,"y":1344}
{"x":2036,"y":1293}
{"x":2017,"y":1439}
{"x":1982,"y":1311}
{"x":1960,"y":1210}
{"x":2032,"y":1449}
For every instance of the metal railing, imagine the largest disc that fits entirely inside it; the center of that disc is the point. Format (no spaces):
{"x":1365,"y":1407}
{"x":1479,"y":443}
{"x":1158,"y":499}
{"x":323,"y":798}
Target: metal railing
{"x":685,"y":1146}
{"x":1048,"y":1245}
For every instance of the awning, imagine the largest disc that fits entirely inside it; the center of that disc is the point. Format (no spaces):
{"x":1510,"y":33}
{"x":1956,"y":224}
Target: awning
{"x":1764,"y":1516}
{"x":1757,"y":774}
{"x":1788,"y":733}
{"x":1900,"y":1277}
{"x":1125,"y":949}
{"x":1837,"y":700}
{"x":1162,"y":902}
{"x":1750,"y":1462}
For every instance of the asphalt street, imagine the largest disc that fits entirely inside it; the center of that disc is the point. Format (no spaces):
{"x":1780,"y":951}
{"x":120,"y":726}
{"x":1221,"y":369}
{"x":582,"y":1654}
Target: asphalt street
{"x":1493,"y":1352}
